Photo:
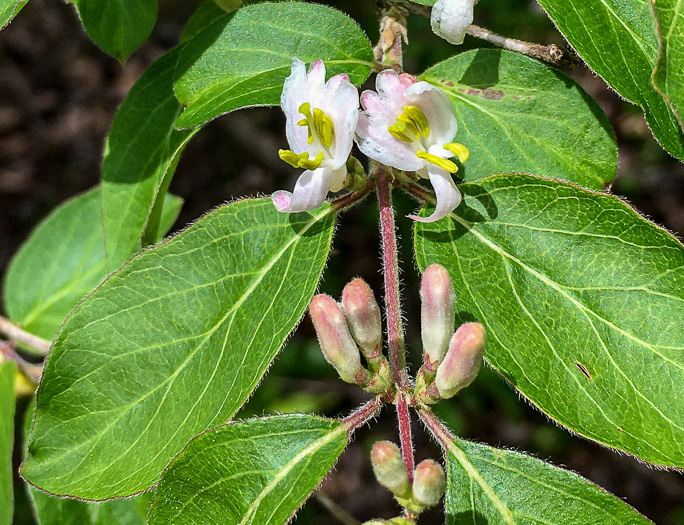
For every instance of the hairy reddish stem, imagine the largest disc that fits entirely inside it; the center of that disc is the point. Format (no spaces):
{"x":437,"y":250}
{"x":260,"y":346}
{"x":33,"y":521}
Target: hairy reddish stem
{"x":390,"y":259}
{"x":437,"y":428}
{"x":405,"y":435}
{"x":352,"y":198}
{"x":363,"y":414}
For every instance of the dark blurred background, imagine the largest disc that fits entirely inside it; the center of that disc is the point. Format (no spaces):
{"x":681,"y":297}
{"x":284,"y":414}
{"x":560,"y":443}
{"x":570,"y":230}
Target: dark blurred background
{"x":58,"y":95}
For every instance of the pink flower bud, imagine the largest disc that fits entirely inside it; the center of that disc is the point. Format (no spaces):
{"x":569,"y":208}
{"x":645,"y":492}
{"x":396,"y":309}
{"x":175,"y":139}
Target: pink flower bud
{"x":437,"y":315}
{"x":429,"y":483}
{"x":363,"y":315}
{"x":462,"y":361}
{"x":336,"y":342}
{"x":390,"y":469}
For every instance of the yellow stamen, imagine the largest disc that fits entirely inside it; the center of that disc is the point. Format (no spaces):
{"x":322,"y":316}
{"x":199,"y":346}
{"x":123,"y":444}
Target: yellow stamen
{"x":323,"y":125}
{"x":445,"y":164}
{"x":305,"y":109}
{"x":416,"y":114}
{"x":300,"y":160}
{"x":410,"y":124}
{"x":397,"y":131}
{"x":459,"y":150}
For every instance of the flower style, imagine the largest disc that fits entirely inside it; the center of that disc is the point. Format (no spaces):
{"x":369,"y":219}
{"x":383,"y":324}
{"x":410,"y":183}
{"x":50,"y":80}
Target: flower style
{"x":321,"y":118}
{"x":409,"y":125}
{"x":451,"y":18}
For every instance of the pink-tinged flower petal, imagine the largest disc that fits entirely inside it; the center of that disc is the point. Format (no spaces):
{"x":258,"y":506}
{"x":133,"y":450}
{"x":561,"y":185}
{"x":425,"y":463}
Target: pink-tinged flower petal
{"x":447,"y":194}
{"x":309,"y":192}
{"x":450,"y":19}
{"x":293,"y":96}
{"x":438,"y":109}
{"x":342,"y":106}
{"x":392,"y":86}
{"x":375,"y":142}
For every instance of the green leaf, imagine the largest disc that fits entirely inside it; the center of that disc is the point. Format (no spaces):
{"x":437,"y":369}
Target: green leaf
{"x":582,"y":300}
{"x":8,"y":370}
{"x":9,"y":9}
{"x":62,"y":261}
{"x":261,"y":471}
{"x":491,"y":486}
{"x":518,"y":114}
{"x":205,"y":15}
{"x":243,"y":58}
{"x":618,"y":40}
{"x":51,"y":510}
{"x":141,"y":155}
{"x":119,"y":27}
{"x":668,"y":77}
{"x":171,"y":345}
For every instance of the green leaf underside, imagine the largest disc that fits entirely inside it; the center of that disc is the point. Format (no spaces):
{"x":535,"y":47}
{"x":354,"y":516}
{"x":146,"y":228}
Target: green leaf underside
{"x":62,"y":261}
{"x":582,"y":300}
{"x":491,"y":486}
{"x":51,"y":510}
{"x":118,"y":27}
{"x":9,"y":9}
{"x":7,"y":371}
{"x":618,"y":40}
{"x":516,"y":114}
{"x":172,"y":345}
{"x":250,"y":472}
{"x":243,"y":58}
{"x":142,"y":150}
{"x":668,"y":77}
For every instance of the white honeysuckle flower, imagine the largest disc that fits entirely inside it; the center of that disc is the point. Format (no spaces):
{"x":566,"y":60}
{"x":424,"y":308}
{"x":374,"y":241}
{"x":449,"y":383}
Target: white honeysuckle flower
{"x":321,"y":119}
{"x":450,"y":19}
{"x":409,"y":125}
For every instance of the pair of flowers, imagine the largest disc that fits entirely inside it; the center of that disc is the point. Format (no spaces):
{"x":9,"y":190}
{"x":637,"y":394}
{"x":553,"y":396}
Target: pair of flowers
{"x":405,"y":124}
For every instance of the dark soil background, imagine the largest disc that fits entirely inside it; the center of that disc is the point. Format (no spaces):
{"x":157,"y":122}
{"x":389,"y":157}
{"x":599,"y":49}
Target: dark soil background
{"x":58,"y":95}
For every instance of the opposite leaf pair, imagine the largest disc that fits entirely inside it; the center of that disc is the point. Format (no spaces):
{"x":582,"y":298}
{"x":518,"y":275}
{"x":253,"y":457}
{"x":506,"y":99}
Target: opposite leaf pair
{"x":406,"y":124}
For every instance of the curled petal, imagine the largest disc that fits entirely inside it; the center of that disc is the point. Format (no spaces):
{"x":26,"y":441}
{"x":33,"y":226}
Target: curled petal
{"x":451,"y":18}
{"x":447,"y":194}
{"x":295,"y":90}
{"x":438,"y":109}
{"x":343,"y":107}
{"x":375,"y":142}
{"x":309,"y":192}
{"x":391,"y":86}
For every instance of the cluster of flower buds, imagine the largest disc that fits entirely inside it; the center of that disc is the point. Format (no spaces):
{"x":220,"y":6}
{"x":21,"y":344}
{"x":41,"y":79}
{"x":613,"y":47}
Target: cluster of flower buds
{"x":347,"y":330}
{"x":451,"y":360}
{"x":429,"y":481}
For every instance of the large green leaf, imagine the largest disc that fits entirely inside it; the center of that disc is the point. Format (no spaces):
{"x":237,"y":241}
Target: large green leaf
{"x":582,"y":300}
{"x":242,"y":59}
{"x":619,"y":41}
{"x":491,"y":486}
{"x":50,"y":510}
{"x":7,"y":371}
{"x":171,"y":345}
{"x":668,"y":77}
{"x":141,"y":154}
{"x":119,"y":27}
{"x":40,"y":289}
{"x":251,"y":472}
{"x":9,"y":9}
{"x":518,"y":114}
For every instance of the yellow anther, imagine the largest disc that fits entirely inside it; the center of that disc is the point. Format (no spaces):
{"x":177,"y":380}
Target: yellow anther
{"x":445,"y":164}
{"x":459,"y":150}
{"x":305,"y":109}
{"x":410,"y":124}
{"x":300,"y":160}
{"x":416,"y":115}
{"x":397,"y":131}
{"x":323,"y":125}
{"x":303,"y":122}
{"x":308,"y":164}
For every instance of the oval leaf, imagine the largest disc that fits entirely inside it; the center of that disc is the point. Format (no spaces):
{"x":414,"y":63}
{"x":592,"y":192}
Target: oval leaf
{"x":518,"y":114}
{"x":40,"y":291}
{"x":583,"y":302}
{"x":261,"y":471}
{"x":494,"y":486}
{"x":618,"y":40}
{"x":8,"y":370}
{"x":141,"y":154}
{"x":242,"y":59}
{"x":668,"y":77}
{"x":118,"y":27}
{"x":171,"y":345}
